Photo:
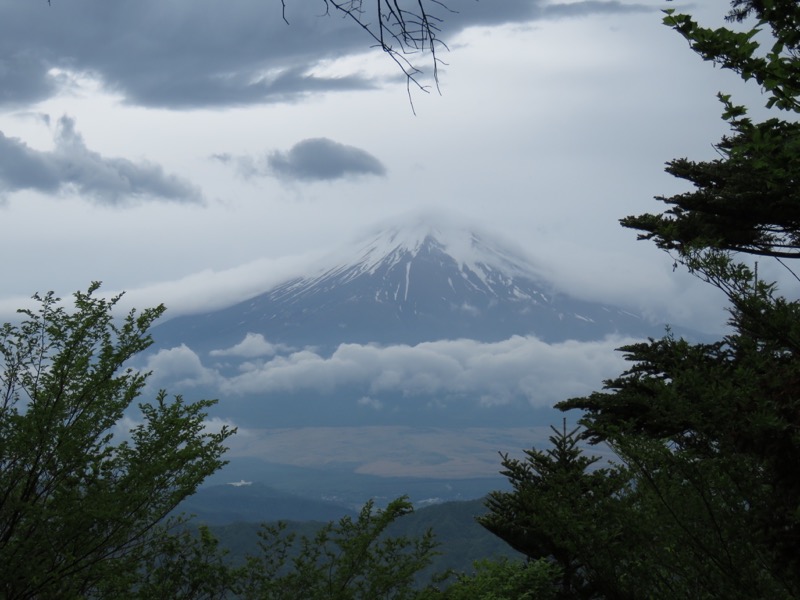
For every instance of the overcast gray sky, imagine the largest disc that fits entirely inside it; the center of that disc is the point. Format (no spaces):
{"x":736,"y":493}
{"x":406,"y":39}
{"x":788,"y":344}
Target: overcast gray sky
{"x":196,"y":152}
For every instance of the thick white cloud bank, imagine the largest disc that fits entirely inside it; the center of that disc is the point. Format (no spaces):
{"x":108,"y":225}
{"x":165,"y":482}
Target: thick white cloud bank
{"x":485,"y":374}
{"x":181,"y":367}
{"x":253,"y":345}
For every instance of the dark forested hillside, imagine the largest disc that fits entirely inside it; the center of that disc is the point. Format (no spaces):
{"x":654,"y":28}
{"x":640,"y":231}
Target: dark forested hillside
{"x":462,"y":541}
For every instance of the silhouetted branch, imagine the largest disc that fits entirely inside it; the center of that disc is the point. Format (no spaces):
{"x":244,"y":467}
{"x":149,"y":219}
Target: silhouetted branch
{"x":401,"y":28}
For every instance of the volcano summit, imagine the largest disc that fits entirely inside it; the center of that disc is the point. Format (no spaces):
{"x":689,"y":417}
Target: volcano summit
{"x":421,"y":281}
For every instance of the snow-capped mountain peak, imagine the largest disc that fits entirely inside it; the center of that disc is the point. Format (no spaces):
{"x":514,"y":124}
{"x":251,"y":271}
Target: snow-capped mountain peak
{"x":403,"y":241}
{"x":415,"y":280}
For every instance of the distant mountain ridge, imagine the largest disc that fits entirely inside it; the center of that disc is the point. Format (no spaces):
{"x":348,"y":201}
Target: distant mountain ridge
{"x":462,"y":541}
{"x":414,"y":282}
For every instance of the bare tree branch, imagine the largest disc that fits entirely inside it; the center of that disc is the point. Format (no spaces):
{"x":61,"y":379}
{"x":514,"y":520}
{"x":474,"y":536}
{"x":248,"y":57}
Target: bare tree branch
{"x":404,"y":29}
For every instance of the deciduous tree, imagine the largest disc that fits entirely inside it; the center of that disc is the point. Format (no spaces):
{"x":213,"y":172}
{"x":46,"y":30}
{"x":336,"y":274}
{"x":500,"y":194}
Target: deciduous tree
{"x":348,"y":560}
{"x":82,"y":501}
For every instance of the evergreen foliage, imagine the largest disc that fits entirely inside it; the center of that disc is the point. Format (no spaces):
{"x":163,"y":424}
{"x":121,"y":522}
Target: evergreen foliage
{"x":537,"y":518}
{"x":747,"y":200}
{"x":704,"y":501}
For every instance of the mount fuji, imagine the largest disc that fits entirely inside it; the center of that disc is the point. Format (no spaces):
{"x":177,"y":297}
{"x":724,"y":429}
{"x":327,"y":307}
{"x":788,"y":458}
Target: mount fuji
{"x":424,"y":322}
{"x":418,"y":352}
{"x":421,"y":281}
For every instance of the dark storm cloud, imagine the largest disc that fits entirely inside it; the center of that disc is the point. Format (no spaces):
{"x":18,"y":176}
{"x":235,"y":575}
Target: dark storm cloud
{"x":23,"y":78}
{"x":471,"y":13}
{"x":183,"y":54}
{"x":313,"y":159}
{"x":323,"y":159}
{"x":72,"y":167}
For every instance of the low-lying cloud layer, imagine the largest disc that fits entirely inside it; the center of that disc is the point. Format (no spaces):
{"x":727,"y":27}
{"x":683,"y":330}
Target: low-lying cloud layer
{"x":453,"y":372}
{"x":254,"y":345}
{"x":72,"y":168}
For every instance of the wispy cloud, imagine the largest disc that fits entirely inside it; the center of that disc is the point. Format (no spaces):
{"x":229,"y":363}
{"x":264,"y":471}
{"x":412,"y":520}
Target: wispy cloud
{"x":71,"y":167}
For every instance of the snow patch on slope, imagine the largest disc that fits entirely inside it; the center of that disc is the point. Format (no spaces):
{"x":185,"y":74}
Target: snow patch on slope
{"x":406,"y":238}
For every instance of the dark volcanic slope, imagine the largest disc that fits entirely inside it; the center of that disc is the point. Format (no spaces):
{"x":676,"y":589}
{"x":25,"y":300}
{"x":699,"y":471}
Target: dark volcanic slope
{"x":408,"y":285}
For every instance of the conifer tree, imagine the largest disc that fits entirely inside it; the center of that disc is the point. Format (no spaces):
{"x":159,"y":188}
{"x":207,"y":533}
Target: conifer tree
{"x":710,"y":431}
{"x":707,"y":434}
{"x":747,"y":200}
{"x":538,"y":517}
